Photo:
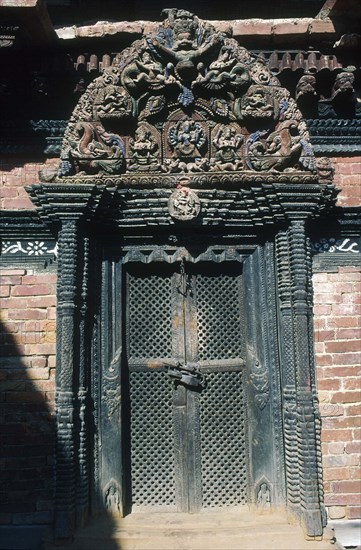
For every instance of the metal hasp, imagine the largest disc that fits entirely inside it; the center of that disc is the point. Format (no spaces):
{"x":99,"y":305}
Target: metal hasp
{"x":188,"y":374}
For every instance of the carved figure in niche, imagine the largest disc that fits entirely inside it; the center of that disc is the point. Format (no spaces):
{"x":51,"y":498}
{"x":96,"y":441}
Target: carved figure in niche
{"x":184,"y":204}
{"x":278,"y":151}
{"x":144,"y":150}
{"x":264,"y":497}
{"x":187,"y":139}
{"x":227,"y":143}
{"x":257,"y":104}
{"x":97,"y":151}
{"x":143,"y":74}
{"x":112,"y":498}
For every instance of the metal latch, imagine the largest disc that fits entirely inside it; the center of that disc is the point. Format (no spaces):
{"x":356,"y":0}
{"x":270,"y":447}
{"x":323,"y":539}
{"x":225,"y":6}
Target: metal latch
{"x":187,"y":374}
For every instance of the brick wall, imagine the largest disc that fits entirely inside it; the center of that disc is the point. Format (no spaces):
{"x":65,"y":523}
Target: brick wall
{"x":14,"y":176}
{"x":348,"y":179}
{"x":337,"y":312}
{"x":27,"y":368}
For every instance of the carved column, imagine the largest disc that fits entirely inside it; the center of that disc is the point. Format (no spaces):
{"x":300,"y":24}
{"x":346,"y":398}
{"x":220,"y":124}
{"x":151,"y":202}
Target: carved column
{"x":65,"y":370}
{"x":301,"y":418}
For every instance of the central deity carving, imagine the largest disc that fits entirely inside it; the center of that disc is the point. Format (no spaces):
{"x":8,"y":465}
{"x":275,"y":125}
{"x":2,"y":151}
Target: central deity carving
{"x":185,"y":99}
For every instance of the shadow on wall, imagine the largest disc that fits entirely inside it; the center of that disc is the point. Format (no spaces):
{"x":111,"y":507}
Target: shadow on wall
{"x":27,"y":436}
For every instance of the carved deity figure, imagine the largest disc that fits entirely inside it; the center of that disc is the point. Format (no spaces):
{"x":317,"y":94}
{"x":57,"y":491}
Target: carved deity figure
{"x":112,"y":499}
{"x":223,"y":71}
{"x":143,"y":74}
{"x":258,"y":104}
{"x":227,"y":143}
{"x":264,"y":497}
{"x":183,"y":204}
{"x":143,"y":149}
{"x":187,"y":139}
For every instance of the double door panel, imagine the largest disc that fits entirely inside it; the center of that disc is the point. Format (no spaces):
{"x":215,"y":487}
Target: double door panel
{"x":186,"y":443}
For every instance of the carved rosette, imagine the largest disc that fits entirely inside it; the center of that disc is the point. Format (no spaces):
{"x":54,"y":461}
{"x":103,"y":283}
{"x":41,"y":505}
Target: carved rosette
{"x":185,"y":99}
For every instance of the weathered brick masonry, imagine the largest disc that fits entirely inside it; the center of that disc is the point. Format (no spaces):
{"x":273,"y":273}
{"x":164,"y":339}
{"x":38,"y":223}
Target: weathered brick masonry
{"x":337,"y":314}
{"x":27,"y":370}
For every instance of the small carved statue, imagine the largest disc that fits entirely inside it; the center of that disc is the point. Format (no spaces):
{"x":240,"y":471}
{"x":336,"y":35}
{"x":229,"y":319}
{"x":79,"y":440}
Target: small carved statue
{"x":228,"y":143}
{"x":257,"y":104}
{"x":187,"y":139}
{"x":264,"y":497}
{"x":112,"y":499}
{"x":183,"y":204}
{"x":143,"y":149}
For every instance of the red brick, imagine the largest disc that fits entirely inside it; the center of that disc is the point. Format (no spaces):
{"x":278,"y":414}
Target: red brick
{"x":354,"y":512}
{"x":353,"y":447}
{"x":354,"y":275}
{"x":324,"y":360}
{"x":340,"y":499}
{"x":355,"y":473}
{"x":346,"y":486}
{"x":40,"y":349}
{"x":329,"y":384}
{"x":17,"y":204}
{"x":342,"y":346}
{"x":349,"y":269}
{"x":319,"y":309}
{"x":4,"y":291}
{"x":319,"y":278}
{"x":335,"y":474}
{"x":324,"y":335}
{"x":336,"y":448}
{"x":338,"y":422}
{"x":352,"y":384}
{"x":330,"y":372}
{"x":40,"y":278}
{"x":343,"y":322}
{"x":11,"y":272}
{"x":345,"y":309}
{"x":10,"y":279}
{"x":32,"y":290}
{"x":336,"y":435}
{"x":346,"y":358}
{"x":28,"y":314}
{"x":346,"y":397}
{"x":348,"y":333}
{"x":353,"y":410}
{"x":330,"y":409}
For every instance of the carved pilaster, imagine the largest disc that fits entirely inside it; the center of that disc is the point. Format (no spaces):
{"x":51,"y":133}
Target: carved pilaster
{"x":65,"y":451}
{"x":302,"y":429}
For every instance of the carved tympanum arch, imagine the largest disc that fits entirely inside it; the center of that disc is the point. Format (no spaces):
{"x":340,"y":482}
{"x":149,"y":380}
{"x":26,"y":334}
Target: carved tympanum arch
{"x":185,"y":100}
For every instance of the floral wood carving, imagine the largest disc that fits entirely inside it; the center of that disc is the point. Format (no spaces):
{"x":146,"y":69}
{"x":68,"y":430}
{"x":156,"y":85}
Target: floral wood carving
{"x":185,"y":99}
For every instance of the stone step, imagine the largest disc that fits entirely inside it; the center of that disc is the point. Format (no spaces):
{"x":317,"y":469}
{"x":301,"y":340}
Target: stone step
{"x":203,"y":531}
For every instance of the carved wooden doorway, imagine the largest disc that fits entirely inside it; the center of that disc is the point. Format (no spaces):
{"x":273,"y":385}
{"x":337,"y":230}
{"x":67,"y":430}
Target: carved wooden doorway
{"x":183,"y":388}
